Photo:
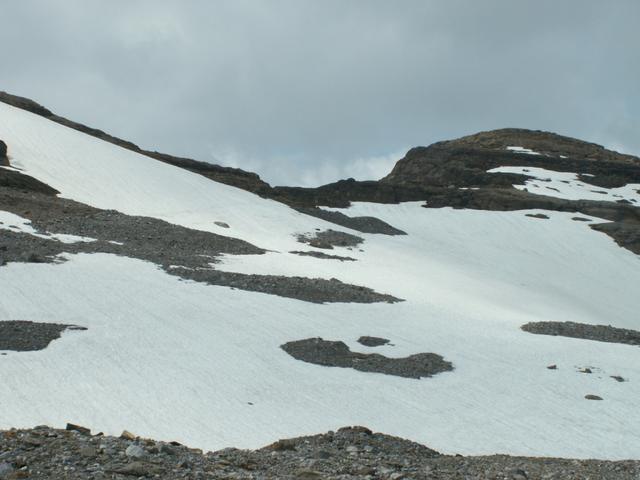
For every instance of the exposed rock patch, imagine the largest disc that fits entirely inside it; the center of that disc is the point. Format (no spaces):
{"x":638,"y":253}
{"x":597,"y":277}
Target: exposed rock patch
{"x":328,"y":239}
{"x":349,"y":453}
{"x":537,"y":215}
{"x":189,"y":254}
{"x":24,"y":336}
{"x":337,"y":354}
{"x":599,"y":333}
{"x":372,"y":341}
{"x":360,"y":224}
{"x":592,"y":397}
{"x":322,"y":255}
{"x":625,"y":234}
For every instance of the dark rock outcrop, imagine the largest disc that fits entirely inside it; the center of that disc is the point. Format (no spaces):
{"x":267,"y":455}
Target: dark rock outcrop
{"x":25,"y":336}
{"x":599,"y":333}
{"x":25,"y":183}
{"x":368,"y":341}
{"x":330,"y":238}
{"x":360,"y":224}
{"x":3,"y":154}
{"x":337,"y":354}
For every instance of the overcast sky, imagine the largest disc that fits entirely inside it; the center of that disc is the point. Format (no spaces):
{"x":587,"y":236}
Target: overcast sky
{"x":306,"y":92}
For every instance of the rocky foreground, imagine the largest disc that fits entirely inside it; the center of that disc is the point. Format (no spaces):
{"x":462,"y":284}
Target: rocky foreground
{"x":349,"y":453}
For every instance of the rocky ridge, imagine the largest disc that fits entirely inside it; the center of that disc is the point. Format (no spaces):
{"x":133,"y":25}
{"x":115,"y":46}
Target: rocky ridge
{"x":349,"y":453}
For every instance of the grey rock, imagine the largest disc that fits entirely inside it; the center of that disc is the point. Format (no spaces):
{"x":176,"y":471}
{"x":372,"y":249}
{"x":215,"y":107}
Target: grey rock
{"x":6,"y":469}
{"x":135,"y":451}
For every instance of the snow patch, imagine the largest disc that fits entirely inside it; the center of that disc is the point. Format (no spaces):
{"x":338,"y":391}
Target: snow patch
{"x":526,"y":151}
{"x":568,"y":186}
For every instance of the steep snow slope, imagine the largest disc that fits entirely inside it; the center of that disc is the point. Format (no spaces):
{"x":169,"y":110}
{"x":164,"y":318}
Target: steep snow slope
{"x":201,"y":364}
{"x":106,"y":176}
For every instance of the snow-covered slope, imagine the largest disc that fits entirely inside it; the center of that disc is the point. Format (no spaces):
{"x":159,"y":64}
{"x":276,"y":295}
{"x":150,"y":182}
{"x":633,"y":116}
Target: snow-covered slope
{"x":568,"y":186}
{"x":201,"y":364}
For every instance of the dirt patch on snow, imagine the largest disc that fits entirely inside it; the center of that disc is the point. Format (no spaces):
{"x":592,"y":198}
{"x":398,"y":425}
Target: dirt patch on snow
{"x":360,"y":224}
{"x":368,"y":341}
{"x":328,"y":239}
{"x":599,"y":333}
{"x":337,"y":354}
{"x":322,"y":255}
{"x":25,"y":336}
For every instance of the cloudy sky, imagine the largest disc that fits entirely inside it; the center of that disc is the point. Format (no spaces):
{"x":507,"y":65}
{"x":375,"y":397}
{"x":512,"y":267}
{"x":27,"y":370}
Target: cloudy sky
{"x":309,"y":91}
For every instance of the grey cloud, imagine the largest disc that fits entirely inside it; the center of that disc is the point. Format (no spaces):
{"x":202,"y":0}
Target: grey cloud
{"x":308,"y":91}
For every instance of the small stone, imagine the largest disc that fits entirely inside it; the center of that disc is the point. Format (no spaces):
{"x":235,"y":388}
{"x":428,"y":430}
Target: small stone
{"x":368,"y":341}
{"x":77,"y":428}
{"x":519,"y":474}
{"x":88,"y":451}
{"x":222,"y":224}
{"x":618,"y":378}
{"x":552,"y":367}
{"x":592,"y":397}
{"x":127,"y":435}
{"x":135,"y":451}
{"x":586,"y":370}
{"x":166,"y":449}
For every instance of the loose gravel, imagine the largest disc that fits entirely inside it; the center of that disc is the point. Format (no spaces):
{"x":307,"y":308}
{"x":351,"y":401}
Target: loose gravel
{"x":349,"y":453}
